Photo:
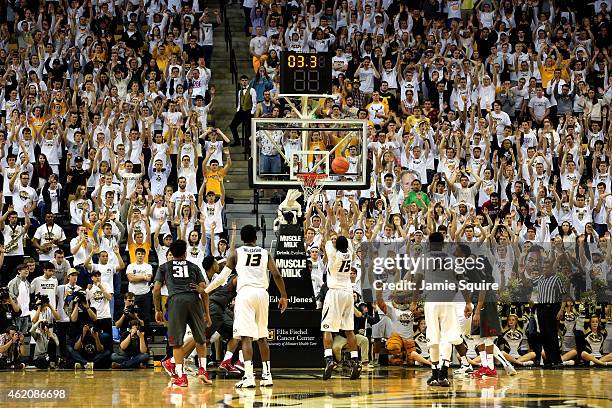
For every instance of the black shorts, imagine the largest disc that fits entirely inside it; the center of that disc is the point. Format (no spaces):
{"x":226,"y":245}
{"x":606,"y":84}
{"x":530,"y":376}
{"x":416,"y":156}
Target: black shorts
{"x":489,"y":322}
{"x":185,"y":309}
{"x":222,"y":321}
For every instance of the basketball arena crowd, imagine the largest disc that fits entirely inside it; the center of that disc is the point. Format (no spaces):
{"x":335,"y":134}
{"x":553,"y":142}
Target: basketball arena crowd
{"x":487,"y":121}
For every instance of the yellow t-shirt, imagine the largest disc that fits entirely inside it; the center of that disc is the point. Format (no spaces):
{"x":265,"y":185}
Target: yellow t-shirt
{"x":132,"y":249}
{"x":547,"y":73}
{"x":213,"y":180}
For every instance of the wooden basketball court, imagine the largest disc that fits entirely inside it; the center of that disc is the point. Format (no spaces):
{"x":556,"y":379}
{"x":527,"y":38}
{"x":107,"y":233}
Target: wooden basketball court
{"x":393,"y":387}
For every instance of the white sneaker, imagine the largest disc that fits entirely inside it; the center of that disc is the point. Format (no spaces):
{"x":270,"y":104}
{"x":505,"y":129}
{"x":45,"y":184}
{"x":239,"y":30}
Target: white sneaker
{"x":464,"y":370}
{"x":510,"y":370}
{"x":569,"y":363}
{"x":266,"y":381}
{"x":189,"y":367}
{"x":374,"y":364}
{"x":89,"y":366}
{"x":528,"y":363}
{"x":246,"y":382}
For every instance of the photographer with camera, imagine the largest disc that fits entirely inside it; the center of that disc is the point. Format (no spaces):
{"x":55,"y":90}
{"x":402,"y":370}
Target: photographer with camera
{"x":9,"y":309}
{"x":46,"y":284}
{"x":65,"y":302}
{"x":46,"y":344}
{"x":133,"y":348}
{"x":99,"y":298}
{"x":44,"y":312}
{"x":88,"y":350}
{"x":19,"y":288}
{"x":12,"y":349}
{"x":130,"y":312}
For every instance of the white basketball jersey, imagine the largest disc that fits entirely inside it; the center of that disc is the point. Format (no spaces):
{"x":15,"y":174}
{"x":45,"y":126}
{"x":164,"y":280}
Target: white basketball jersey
{"x":252,"y":267}
{"x":339,"y":266}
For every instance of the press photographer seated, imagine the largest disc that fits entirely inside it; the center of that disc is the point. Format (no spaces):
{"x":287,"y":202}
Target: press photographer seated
{"x":12,"y":349}
{"x":46,"y":344}
{"x":132,"y":348}
{"x":130,"y":312}
{"x":84,"y":345}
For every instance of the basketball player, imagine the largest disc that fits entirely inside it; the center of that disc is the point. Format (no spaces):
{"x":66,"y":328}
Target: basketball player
{"x":252,"y":263}
{"x":338,"y":305}
{"x":440,"y":315}
{"x":485,"y":322}
{"x":185,"y":307}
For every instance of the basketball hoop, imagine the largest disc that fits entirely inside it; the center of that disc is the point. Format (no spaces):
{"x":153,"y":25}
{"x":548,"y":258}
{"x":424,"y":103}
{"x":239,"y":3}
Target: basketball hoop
{"x":311,"y":183}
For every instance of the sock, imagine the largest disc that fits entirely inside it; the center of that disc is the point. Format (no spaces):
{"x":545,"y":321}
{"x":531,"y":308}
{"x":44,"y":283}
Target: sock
{"x":464,"y":361}
{"x":172,"y":360}
{"x":228,"y":355}
{"x":328,"y":353}
{"x":445,"y":363}
{"x":500,"y":356}
{"x":355,"y":355}
{"x":248,"y":369}
{"x":203,"y":362}
{"x":179,"y":370}
{"x":266,"y":368}
{"x":376,"y":355}
{"x":240,"y":356}
{"x":490,"y":362}
{"x":483,"y":359}
{"x":434,"y":366}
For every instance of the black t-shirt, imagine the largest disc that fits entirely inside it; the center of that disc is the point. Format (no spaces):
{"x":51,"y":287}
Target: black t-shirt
{"x":7,"y":316}
{"x":134,"y":346}
{"x":88,"y":349}
{"x":76,"y":328}
{"x":178,"y":275}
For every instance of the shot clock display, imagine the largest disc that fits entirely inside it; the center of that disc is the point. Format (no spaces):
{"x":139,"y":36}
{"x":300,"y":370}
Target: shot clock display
{"x":305,"y":74}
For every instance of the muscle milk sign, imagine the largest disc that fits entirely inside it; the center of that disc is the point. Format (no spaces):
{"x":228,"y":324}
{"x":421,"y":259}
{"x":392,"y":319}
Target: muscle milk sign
{"x":290,"y":257}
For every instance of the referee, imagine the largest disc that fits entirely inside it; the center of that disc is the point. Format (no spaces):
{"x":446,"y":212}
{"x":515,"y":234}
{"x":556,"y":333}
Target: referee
{"x":549,"y":294}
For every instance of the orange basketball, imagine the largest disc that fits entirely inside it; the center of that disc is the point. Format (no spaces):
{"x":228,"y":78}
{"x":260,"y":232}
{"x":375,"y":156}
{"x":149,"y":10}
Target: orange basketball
{"x":340,"y":165}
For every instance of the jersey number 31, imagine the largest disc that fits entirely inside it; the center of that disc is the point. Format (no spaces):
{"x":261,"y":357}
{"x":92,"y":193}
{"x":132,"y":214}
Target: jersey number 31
{"x":180,"y":271}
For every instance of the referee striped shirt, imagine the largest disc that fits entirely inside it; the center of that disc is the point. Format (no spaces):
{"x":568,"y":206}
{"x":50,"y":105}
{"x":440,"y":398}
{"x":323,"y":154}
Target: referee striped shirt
{"x":550,"y":289}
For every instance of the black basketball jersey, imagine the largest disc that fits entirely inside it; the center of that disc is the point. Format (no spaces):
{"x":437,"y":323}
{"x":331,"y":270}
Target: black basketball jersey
{"x":178,"y":275}
{"x":223,"y":295}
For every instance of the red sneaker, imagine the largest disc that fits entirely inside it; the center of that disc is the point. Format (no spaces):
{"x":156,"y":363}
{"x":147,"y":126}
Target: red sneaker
{"x":239,"y":365}
{"x":180,"y":381}
{"x":170,"y":367}
{"x":226,"y":365}
{"x":203,"y":376}
{"x":490,"y":373}
{"x":480,"y":372}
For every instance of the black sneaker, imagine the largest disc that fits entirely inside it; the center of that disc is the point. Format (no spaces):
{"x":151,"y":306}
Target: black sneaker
{"x":443,"y":377}
{"x":355,"y":369}
{"x":330,"y":364}
{"x":433,"y":380}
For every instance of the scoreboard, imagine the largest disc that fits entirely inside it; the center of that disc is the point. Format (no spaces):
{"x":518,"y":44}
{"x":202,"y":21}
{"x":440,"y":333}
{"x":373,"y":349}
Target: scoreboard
{"x":305,"y":74}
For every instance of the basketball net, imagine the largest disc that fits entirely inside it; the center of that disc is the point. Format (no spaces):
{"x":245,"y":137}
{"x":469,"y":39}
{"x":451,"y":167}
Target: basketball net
{"x":311,"y":183}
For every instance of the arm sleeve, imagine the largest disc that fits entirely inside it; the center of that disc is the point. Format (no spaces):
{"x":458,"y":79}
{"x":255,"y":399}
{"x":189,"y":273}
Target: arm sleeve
{"x":219,"y":280}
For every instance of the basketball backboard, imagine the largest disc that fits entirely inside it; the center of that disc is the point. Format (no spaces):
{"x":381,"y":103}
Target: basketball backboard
{"x":285,"y":147}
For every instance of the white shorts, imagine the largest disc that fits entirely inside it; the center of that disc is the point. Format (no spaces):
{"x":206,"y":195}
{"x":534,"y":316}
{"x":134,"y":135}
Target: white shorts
{"x":337,"y":311}
{"x":383,"y":329}
{"x":441,"y":320}
{"x":251,"y":313}
{"x":465,"y":325}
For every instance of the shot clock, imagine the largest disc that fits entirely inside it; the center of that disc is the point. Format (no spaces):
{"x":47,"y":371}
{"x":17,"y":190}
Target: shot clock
{"x":305,"y":74}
